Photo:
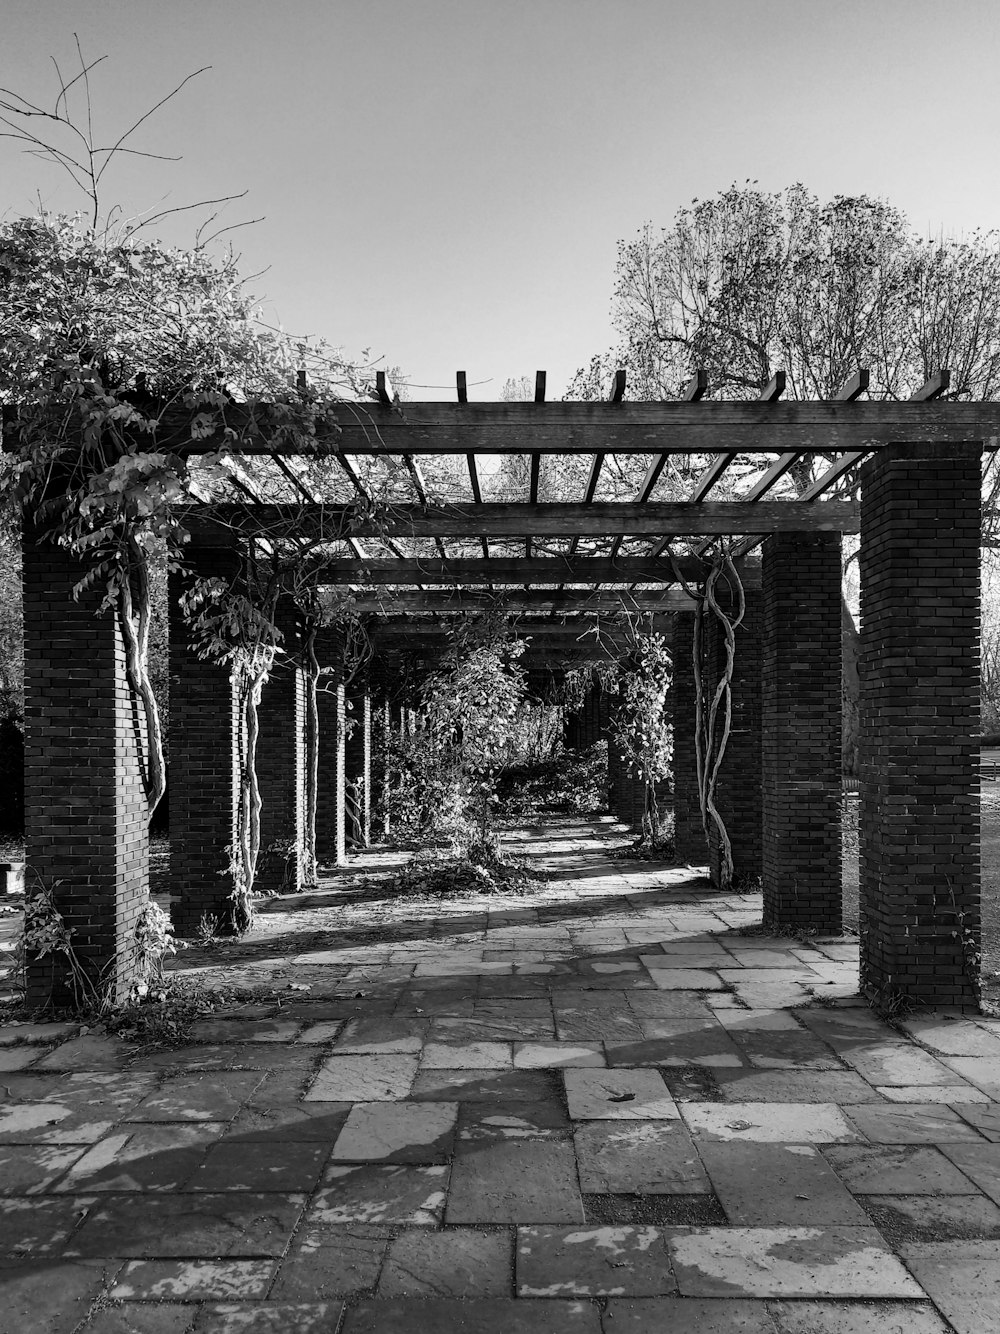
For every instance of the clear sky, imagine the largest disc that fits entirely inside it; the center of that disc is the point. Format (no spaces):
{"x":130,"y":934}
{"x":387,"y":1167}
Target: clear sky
{"x":444,"y":182}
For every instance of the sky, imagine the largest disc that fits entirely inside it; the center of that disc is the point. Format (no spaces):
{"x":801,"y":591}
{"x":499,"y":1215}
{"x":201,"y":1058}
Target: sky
{"x":442,"y":183}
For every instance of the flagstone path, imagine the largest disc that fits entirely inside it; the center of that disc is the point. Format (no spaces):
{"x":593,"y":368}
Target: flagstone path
{"x":603,"y":1110}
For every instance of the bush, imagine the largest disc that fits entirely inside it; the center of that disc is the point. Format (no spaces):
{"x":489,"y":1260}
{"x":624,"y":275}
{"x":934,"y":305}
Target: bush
{"x":572,"y":782}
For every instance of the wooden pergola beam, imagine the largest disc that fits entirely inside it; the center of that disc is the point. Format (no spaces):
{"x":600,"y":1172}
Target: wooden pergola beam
{"x":623,"y":428}
{"x":601,"y":519}
{"x":569,"y":602}
{"x":464,"y":571}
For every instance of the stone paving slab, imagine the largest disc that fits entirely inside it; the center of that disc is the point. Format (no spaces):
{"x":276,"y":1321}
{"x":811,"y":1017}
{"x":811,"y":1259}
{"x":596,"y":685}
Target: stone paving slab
{"x":383,"y":1195}
{"x":267,"y":1318}
{"x":686,"y":1315}
{"x":435,"y":1316}
{"x":192,"y":1279}
{"x":514,"y":1182}
{"x":592,"y":1262}
{"x":459,"y":1262}
{"x":143,"y":1158}
{"x":962,"y":1278}
{"x":856,"y":1318}
{"x":769,"y":1122}
{"x":638,"y":1157}
{"x":788,"y":1262}
{"x":79,"y":1109}
{"x":366,"y":1078}
{"x":980,"y":1163}
{"x":840,"y":1087}
{"x":398,"y":1132}
{"x":29,"y":1169}
{"x":910,"y":1123}
{"x":934,"y":1217}
{"x":230,"y":1224}
{"x":618,"y":1095}
{"x":204,"y":1097}
{"x":329,"y":1261}
{"x":788,"y":1185}
{"x":899,"y":1169}
{"x":50,"y":1296}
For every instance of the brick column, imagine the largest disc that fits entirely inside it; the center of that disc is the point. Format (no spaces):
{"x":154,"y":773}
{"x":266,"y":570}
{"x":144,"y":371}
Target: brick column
{"x":281,"y":771}
{"x":689,"y":834}
{"x":202,"y":762}
{"x":801,"y":743}
{"x":738,"y":796}
{"x":381,"y":739}
{"x":358,"y":761}
{"x":331,"y":847}
{"x":919,"y":790}
{"x":85,"y":810}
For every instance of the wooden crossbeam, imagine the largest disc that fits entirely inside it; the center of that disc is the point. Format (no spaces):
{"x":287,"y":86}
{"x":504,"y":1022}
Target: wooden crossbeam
{"x":549,"y":602}
{"x":510,"y":570}
{"x":654,"y":519}
{"x":623,"y":428}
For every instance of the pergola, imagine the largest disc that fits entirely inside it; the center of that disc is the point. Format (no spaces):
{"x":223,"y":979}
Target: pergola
{"x":558,"y":565}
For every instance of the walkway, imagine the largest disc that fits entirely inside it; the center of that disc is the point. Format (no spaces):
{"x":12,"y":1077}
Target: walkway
{"x":604,"y":1110}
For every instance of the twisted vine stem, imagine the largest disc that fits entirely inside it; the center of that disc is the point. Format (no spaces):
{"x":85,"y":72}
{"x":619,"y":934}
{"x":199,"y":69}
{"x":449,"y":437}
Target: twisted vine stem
{"x":714,"y":714}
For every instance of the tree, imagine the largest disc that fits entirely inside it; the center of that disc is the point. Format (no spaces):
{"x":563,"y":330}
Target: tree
{"x":116,"y":352}
{"x":749,"y":283}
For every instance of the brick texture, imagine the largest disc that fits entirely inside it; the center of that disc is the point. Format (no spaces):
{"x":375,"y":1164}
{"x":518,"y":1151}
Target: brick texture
{"x":281,"y":771}
{"x":689,"y":834}
{"x":626,"y":792}
{"x":331,"y":847}
{"x":85,"y":809}
{"x":202,"y":762}
{"x":738,"y":794}
{"x":358,"y":763}
{"x":919,"y":795}
{"x":801,"y":722}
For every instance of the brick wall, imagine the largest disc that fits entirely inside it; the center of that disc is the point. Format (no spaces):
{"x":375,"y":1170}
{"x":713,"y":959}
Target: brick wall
{"x":738,"y":795}
{"x":85,"y":809}
{"x":919,"y":796}
{"x":689,"y":834}
{"x":801,"y":743}
{"x":202,"y":761}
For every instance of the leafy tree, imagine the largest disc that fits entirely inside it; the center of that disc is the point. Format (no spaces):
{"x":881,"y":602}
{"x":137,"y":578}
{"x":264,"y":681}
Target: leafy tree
{"x":470,"y":731}
{"x":641,"y":725}
{"x":117,"y":352}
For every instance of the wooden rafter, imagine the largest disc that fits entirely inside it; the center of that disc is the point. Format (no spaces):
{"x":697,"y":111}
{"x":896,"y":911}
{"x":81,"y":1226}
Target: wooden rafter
{"x":715,"y":470}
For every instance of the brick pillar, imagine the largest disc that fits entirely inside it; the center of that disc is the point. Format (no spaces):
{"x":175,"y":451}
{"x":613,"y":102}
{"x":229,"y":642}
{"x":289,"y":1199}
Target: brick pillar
{"x":281,"y":772}
{"x":85,"y":809}
{"x":689,"y":834}
{"x":358,"y":762}
{"x":919,"y":790}
{"x":801,"y":720}
{"x":738,"y":795}
{"x":331,"y":847}
{"x":202,"y":762}
{"x":381,"y":740}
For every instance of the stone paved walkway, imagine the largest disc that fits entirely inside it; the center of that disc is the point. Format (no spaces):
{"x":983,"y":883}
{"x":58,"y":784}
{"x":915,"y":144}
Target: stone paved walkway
{"x":604,"y":1110}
